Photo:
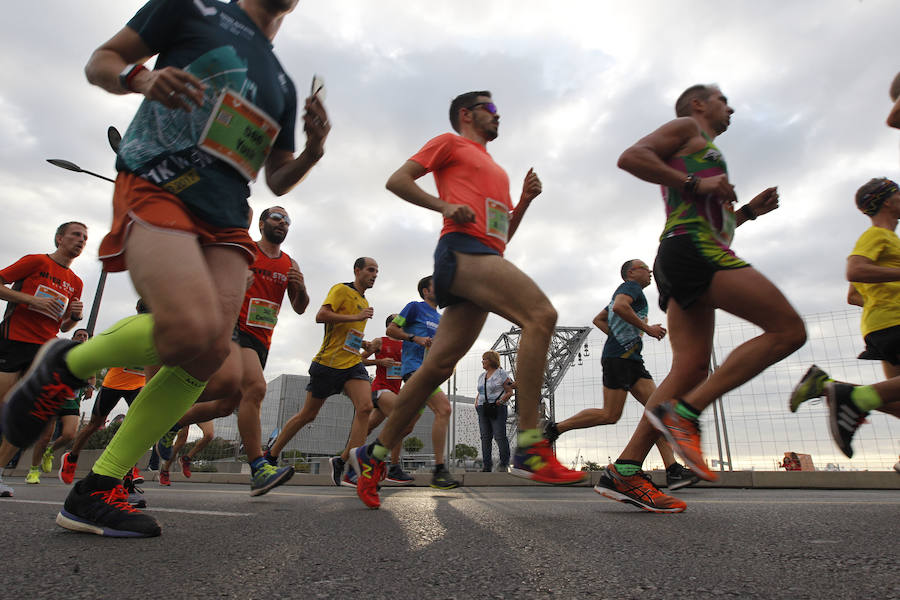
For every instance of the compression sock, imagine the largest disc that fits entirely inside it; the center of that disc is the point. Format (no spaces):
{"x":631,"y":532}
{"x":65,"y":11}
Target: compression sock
{"x":686,"y":410}
{"x":529,"y":437}
{"x":627,"y":468}
{"x":866,"y":398}
{"x":160,"y":404}
{"x":378,"y":451}
{"x":128,"y":343}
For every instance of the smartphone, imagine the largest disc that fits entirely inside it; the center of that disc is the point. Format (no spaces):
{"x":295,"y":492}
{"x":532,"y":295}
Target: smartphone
{"x":317,"y":88}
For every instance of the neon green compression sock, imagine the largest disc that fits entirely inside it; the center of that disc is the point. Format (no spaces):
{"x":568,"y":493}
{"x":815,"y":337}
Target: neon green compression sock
{"x":165,"y":398}
{"x":128,"y":343}
{"x":866,"y":398}
{"x":529,"y":437}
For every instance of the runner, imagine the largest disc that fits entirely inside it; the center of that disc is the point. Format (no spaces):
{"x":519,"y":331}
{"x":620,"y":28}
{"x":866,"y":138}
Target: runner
{"x":696,"y":273}
{"x":207,"y":429}
{"x":43,"y":299}
{"x":338,"y":365}
{"x":624,"y":321}
{"x":873,"y":269}
{"x":180,"y":222}
{"x":472,"y":279}
{"x":415,"y":326}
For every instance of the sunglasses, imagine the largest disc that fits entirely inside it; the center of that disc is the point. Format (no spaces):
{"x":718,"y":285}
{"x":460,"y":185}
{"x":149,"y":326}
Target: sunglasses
{"x":279,"y":217}
{"x":488,"y":106}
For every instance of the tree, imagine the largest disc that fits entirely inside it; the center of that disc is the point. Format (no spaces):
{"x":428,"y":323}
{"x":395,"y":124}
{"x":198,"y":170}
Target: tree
{"x":590,"y":465}
{"x":465,"y":451}
{"x":413,"y":444}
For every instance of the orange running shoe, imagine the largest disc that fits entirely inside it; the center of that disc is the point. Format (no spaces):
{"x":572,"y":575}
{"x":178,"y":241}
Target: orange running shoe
{"x":369,"y":471}
{"x":67,"y":469}
{"x":637,"y":490}
{"x":136,"y":476}
{"x":538,"y":463}
{"x":683,"y":436}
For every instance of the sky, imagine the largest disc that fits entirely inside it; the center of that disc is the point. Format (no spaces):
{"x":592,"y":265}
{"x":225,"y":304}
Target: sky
{"x":575,"y":82}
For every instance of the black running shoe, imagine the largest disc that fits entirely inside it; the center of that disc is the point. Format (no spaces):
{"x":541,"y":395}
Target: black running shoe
{"x":36,"y":398}
{"x":99,"y":505}
{"x":135,"y":494}
{"x":843,"y":415}
{"x":679,"y":476}
{"x":443,"y":480}
{"x":337,"y":469}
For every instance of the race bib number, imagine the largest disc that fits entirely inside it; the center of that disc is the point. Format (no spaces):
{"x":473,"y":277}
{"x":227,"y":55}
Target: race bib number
{"x":394,"y":372}
{"x":353,"y":341}
{"x":497,"y":217}
{"x":262,"y":313}
{"x":59,"y":305}
{"x":239,"y":133}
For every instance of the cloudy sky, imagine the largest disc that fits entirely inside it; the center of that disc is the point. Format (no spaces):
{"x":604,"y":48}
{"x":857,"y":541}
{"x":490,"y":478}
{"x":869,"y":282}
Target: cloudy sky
{"x":576,"y":83}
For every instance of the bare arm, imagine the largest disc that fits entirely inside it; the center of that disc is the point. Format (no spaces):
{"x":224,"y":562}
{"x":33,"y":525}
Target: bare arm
{"x":398,"y":333}
{"x":862,"y":270}
{"x":531,"y":189}
{"x":327,"y":315}
{"x":854,"y":297}
{"x":508,"y":389}
{"x":893,"y":119}
{"x":283,"y":170}
{"x":622,"y":308}
{"x":403,"y":184}
{"x":601,"y":321}
{"x":297,"y":289}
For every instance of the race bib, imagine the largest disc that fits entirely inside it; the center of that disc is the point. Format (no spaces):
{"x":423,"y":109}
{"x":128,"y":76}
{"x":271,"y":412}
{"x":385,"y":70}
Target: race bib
{"x":239,"y":133}
{"x":59,"y":306}
{"x":394,"y":372}
{"x":497,"y":218}
{"x":262,"y":313}
{"x":353,"y":341}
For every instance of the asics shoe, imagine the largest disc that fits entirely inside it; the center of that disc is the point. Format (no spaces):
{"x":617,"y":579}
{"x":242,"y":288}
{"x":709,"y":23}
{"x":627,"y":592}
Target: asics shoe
{"x":812,"y":385}
{"x":47,"y":460}
{"x":67,"y":469}
{"x":679,"y":476}
{"x":683,"y":436}
{"x":268,"y":477}
{"x":34,"y":475}
{"x":443,"y":480}
{"x":185,"y":466}
{"x":538,"y":463}
{"x":99,"y":505}
{"x":337,"y":469}
{"x":396,"y":474}
{"x":368,"y":470}
{"x":164,"y":478}
{"x":637,"y":490}
{"x":844,"y":416}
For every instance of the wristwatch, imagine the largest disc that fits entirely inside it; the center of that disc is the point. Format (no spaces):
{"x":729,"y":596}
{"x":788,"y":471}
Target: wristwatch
{"x":411,"y":337}
{"x":129,"y":73}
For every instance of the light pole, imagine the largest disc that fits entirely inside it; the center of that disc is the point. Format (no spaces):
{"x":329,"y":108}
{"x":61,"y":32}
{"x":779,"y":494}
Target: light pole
{"x":112,"y":134}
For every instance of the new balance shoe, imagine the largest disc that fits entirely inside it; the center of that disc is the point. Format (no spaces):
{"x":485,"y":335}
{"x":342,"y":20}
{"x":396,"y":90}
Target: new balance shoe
{"x":349,"y":478}
{"x":844,"y":417}
{"x":812,"y":385}
{"x":396,"y":474}
{"x":136,"y":476}
{"x":683,"y":436}
{"x":36,"y":397}
{"x":6,"y":491}
{"x":99,"y":505}
{"x":165,"y":444}
{"x":67,"y":469}
{"x":538,"y":463}
{"x":164,"y":478}
{"x":47,"y":460}
{"x":337,"y":469}
{"x":679,"y":476}
{"x":637,"y":490}
{"x":34,"y":475}
{"x":441,"y":479}
{"x":368,"y":470}
{"x":185,"y":466}
{"x":268,"y":477}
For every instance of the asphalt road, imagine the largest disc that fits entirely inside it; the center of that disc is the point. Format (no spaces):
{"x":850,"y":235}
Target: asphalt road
{"x":501,"y":542}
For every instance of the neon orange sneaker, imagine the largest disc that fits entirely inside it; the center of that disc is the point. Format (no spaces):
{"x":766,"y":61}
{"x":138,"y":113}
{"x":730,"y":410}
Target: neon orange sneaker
{"x":683,"y":435}
{"x":67,"y":469}
{"x":637,"y":490}
{"x":538,"y":463}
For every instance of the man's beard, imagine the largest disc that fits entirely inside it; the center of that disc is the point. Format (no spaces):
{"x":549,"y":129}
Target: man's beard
{"x":272,"y":235}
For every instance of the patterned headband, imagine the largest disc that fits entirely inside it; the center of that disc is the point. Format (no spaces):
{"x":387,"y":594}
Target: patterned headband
{"x":870,"y":202}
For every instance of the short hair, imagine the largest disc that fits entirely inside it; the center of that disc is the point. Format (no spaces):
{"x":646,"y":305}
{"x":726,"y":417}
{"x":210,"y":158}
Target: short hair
{"x":141,"y":307}
{"x":493,"y":358}
{"x":700,"y":91}
{"x":74,"y":333}
{"x":895,"y":88}
{"x":423,"y":283}
{"x":61,"y":230}
{"x":626,"y":266}
{"x":389,"y":320}
{"x":265,"y":214}
{"x":360,"y":263}
{"x":463,"y":101}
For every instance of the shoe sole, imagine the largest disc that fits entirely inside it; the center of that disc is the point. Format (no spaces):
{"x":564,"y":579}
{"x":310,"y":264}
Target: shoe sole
{"x":833,"y":421}
{"x":358,"y":468}
{"x":444,"y":487}
{"x":400,"y":481}
{"x":69,"y":521}
{"x":620,"y":497}
{"x":273,"y":484}
{"x":348,"y":484}
{"x":60,"y":472}
{"x":336,"y":480}
{"x":683,"y":483}
{"x":700,"y":470}
{"x":800,"y":394}
{"x":525,"y":474}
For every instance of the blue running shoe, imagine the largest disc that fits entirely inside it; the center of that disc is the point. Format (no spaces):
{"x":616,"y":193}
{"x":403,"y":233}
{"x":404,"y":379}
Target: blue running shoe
{"x":268,"y":477}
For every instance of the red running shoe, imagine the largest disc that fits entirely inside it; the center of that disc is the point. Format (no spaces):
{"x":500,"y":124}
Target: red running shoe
{"x":683,"y":435}
{"x":164,"y":478}
{"x":67,"y":469}
{"x":185,"y":466}
{"x":369,"y":471}
{"x":136,"y":476}
{"x":538,"y":463}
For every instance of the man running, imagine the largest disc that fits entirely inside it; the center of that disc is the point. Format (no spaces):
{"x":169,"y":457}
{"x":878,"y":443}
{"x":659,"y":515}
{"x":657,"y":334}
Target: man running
{"x":696,"y":273}
{"x":43,"y":298}
{"x":472,"y":279}
{"x":217,"y":108}
{"x":338,"y":365}
{"x":415,"y":326}
{"x":624,"y":321}
{"x":207,"y":429}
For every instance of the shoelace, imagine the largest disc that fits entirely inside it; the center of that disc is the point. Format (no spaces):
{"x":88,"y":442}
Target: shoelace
{"x":117,"y":498}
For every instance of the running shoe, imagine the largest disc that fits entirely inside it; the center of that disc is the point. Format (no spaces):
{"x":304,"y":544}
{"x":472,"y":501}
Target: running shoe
{"x":443,"y":480}
{"x":267,"y":477}
{"x":551,"y":433}
{"x":637,"y":490}
{"x":337,"y":469}
{"x":67,"y":469}
{"x":165,"y":443}
{"x":47,"y":460}
{"x":5,"y":491}
{"x":843,"y":415}
{"x":538,"y":463}
{"x":272,"y":460}
{"x":812,"y":385}
{"x":349,"y":477}
{"x":679,"y":476}
{"x":36,"y":397}
{"x":185,"y":466}
{"x":683,"y":436}
{"x":368,"y":470}
{"x":136,"y":476}
{"x":396,"y":474}
{"x":135,"y":494}
{"x":99,"y":505}
{"x":164,"y":478}
{"x":34,"y":475}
